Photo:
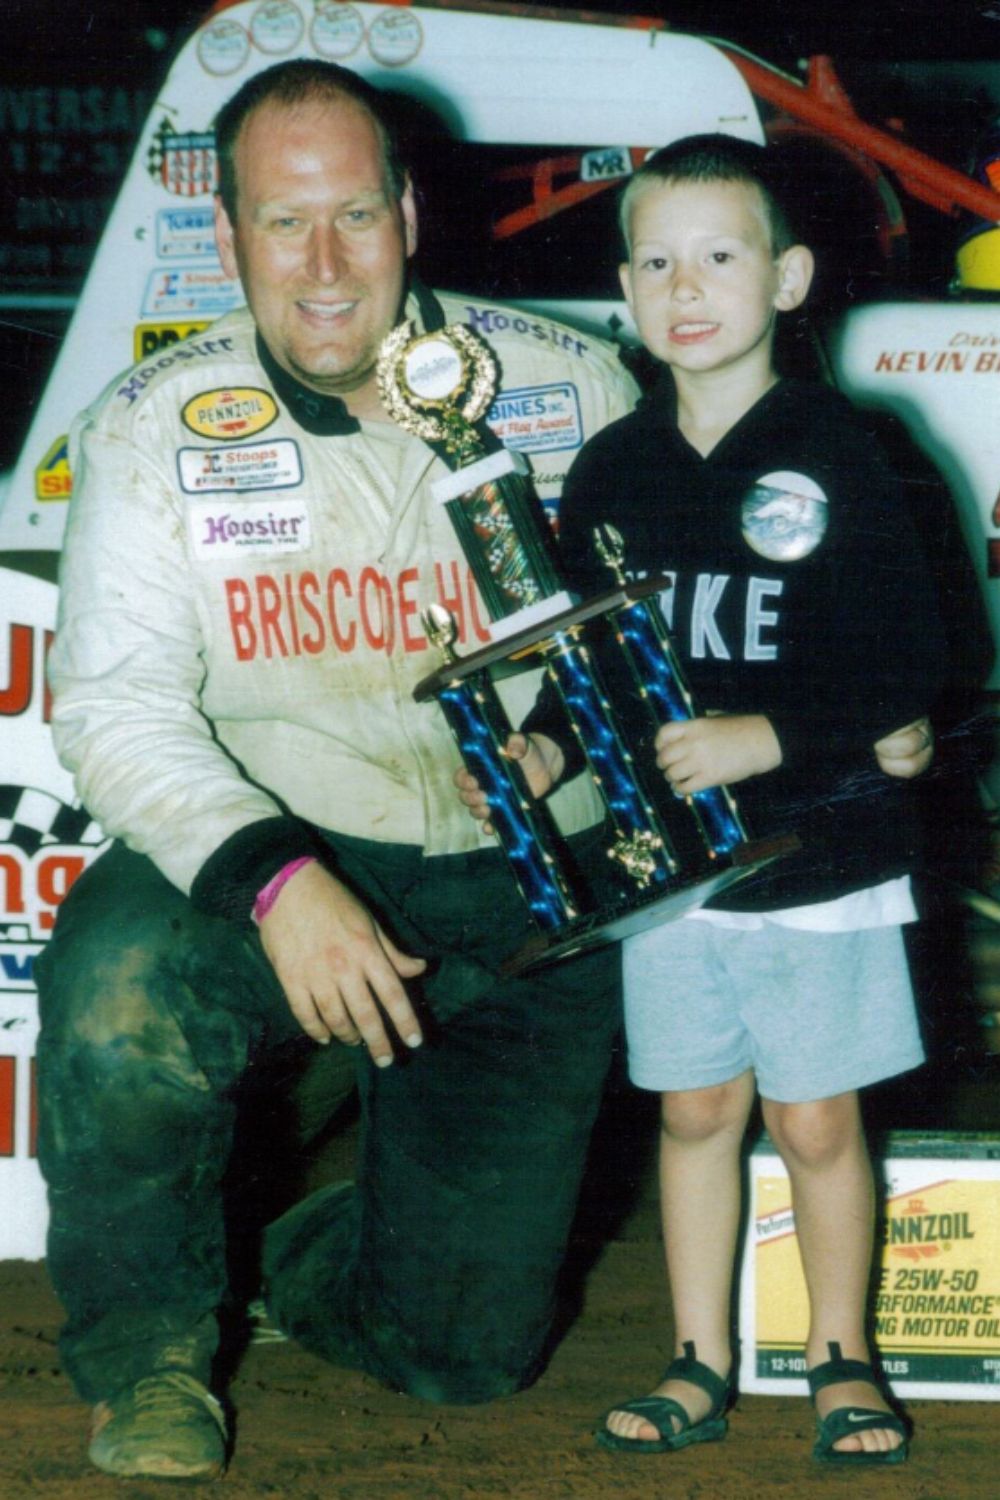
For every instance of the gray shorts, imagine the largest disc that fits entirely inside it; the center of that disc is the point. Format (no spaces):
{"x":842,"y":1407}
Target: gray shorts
{"x":812,"y":1013}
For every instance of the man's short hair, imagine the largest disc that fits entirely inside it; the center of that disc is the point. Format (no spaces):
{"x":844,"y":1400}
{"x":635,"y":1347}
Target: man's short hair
{"x":713,"y":158}
{"x":302,"y":81}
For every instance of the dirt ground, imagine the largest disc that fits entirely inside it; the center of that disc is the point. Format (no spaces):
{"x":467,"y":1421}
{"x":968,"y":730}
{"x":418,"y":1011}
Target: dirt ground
{"x":307,"y":1431}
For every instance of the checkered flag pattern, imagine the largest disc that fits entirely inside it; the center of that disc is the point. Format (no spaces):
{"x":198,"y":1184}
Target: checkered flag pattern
{"x":157,"y":149}
{"x":30,"y":818}
{"x":182,"y":161}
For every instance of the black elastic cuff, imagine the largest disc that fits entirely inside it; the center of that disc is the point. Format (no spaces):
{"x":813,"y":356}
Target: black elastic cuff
{"x":807,"y":741}
{"x":549,"y":717}
{"x":574,"y":760}
{"x":228,"y":882}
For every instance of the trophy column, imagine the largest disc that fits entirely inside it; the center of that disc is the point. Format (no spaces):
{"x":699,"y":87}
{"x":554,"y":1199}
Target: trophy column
{"x":665,"y":854}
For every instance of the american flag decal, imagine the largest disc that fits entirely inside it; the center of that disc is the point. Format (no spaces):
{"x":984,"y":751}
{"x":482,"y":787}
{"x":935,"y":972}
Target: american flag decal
{"x":182,"y":162}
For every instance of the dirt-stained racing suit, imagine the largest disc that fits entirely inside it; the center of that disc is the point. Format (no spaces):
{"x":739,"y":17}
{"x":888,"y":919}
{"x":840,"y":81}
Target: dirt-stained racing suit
{"x":238,"y":642}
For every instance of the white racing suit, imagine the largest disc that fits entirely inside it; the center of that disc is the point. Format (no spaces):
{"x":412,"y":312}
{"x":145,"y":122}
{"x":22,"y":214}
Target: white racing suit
{"x":236,"y":583}
{"x":238,"y":643}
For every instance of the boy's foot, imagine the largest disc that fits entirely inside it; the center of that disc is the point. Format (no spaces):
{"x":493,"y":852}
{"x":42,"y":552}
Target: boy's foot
{"x":168,"y":1426}
{"x":688,"y":1406}
{"x":854,"y":1422}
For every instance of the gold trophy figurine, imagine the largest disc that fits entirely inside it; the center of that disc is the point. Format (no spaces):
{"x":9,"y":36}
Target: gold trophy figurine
{"x":439,"y":387}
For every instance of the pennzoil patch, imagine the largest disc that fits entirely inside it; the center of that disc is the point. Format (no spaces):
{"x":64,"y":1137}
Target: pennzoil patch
{"x":228,"y":415}
{"x":274,"y":465}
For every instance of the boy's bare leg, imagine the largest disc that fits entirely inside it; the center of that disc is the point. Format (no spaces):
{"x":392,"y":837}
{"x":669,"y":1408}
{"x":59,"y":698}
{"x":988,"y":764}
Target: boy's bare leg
{"x":701,"y":1134}
{"x":822,"y":1145}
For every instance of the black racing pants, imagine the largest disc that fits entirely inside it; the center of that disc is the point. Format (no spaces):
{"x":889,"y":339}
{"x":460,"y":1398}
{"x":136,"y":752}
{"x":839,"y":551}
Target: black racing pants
{"x":436,"y":1272}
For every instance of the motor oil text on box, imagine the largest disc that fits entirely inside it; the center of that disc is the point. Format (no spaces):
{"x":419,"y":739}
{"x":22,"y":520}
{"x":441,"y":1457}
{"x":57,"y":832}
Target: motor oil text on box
{"x":936,"y":1289}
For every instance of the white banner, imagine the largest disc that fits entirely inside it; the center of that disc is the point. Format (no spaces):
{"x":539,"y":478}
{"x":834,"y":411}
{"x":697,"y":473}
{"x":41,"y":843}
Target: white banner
{"x":45,"y":843}
{"x":937,"y":366}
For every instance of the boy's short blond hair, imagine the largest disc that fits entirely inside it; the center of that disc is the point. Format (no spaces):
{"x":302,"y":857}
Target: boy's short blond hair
{"x":712,"y":158}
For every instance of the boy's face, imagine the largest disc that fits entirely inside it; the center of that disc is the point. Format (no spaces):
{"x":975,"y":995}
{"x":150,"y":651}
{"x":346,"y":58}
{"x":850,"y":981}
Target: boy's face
{"x":703,"y":282}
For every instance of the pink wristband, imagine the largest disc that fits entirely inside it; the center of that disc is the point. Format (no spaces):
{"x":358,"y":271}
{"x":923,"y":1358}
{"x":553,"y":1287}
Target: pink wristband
{"x":270,"y":893}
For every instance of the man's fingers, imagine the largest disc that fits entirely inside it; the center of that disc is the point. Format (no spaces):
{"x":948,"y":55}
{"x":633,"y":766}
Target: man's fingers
{"x":322,"y":1023}
{"x":405,"y":964}
{"x":471,"y":794}
{"x":342,"y":975}
{"x":351,"y":1014}
{"x":392,"y":994}
{"x":356,"y":1006}
{"x":474,"y":799}
{"x":687,"y":783}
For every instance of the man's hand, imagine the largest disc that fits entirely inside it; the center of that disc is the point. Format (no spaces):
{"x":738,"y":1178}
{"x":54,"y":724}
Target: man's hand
{"x":337,"y":967}
{"x":541,"y":760}
{"x":695,"y":754}
{"x":906,"y":752}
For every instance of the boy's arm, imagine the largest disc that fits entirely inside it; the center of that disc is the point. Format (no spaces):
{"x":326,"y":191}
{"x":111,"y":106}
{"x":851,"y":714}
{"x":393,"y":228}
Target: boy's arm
{"x":721,"y":750}
{"x":541,"y":760}
{"x":866,"y":668}
{"x":726,"y":748}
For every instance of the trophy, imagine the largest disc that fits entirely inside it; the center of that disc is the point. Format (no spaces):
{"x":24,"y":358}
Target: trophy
{"x":665,"y":853}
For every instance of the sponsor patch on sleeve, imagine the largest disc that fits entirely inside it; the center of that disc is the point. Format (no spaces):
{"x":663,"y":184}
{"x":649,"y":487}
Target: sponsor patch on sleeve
{"x":266,"y":528}
{"x":538,"y":418}
{"x":229,"y":415}
{"x":276,"y":465}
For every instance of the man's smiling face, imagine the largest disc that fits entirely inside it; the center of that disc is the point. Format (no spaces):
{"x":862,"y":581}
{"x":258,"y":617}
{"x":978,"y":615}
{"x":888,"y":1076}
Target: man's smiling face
{"x":320,"y":242}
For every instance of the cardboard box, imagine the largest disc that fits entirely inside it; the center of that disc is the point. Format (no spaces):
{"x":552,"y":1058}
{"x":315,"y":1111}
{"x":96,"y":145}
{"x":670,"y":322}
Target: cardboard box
{"x":937,"y":1289}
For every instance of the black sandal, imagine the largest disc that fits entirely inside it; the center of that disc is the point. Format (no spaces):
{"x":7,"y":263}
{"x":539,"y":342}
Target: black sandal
{"x":661,"y":1411}
{"x":845,"y":1421}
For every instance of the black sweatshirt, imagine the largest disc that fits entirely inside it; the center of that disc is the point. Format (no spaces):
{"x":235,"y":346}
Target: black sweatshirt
{"x":837,"y":644}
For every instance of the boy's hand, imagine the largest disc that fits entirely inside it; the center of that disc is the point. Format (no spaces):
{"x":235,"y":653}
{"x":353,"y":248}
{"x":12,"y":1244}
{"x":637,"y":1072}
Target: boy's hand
{"x":906,"y":752}
{"x":695,"y":754}
{"x":541,"y":761}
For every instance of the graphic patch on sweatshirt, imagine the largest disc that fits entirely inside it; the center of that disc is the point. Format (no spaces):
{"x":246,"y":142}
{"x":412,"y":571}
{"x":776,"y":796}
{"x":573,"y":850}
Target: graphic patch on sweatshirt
{"x":784,"y":516}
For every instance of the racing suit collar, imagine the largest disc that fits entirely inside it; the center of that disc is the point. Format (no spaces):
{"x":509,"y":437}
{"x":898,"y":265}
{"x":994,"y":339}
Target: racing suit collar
{"x":322,"y":416}
{"x":327,"y":416}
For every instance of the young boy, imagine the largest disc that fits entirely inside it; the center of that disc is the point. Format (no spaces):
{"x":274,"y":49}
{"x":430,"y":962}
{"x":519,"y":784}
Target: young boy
{"x":803,"y":612}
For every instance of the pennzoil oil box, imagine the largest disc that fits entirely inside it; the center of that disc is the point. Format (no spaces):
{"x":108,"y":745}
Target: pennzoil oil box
{"x":936,"y":1289}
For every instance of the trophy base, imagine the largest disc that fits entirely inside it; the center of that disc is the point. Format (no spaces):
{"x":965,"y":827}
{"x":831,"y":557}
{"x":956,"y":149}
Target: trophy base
{"x":611,"y":924}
